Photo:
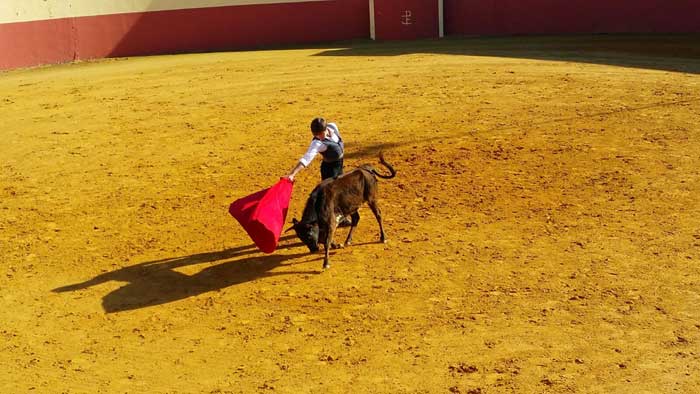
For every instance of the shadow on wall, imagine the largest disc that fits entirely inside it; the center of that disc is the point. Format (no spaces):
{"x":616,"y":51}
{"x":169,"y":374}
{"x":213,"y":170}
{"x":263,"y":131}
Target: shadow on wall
{"x":150,"y":28}
{"x":236,"y":27}
{"x":679,"y":53}
{"x":156,"y":30}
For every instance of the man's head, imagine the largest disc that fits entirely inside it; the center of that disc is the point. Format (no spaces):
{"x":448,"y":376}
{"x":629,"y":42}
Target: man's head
{"x":318,"y":126}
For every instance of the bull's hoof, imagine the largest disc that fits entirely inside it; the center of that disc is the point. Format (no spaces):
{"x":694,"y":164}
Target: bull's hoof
{"x":326,"y":266}
{"x":337,"y":246}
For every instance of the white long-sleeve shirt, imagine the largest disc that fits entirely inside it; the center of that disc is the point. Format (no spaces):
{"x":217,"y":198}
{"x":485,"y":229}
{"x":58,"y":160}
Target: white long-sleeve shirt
{"x":317,"y":146}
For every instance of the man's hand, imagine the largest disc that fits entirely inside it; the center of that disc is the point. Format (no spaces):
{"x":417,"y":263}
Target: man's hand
{"x":294,"y":171}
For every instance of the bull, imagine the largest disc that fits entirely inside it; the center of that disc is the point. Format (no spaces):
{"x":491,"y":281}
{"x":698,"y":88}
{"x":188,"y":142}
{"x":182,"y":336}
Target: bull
{"x":336,"y":198}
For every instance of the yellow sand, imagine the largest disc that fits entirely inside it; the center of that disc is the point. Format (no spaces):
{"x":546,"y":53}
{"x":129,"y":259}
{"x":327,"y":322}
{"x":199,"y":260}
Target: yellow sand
{"x":544,"y":226}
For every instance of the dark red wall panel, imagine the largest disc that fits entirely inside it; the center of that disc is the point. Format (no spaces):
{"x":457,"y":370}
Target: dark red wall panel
{"x":406,"y":19}
{"x":499,"y":17}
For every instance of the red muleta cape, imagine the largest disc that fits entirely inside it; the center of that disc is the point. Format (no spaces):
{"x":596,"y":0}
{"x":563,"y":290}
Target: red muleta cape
{"x":263,"y":214}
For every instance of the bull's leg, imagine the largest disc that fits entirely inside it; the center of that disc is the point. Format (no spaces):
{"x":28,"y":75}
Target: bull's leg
{"x":355,"y":219}
{"x":329,"y":241}
{"x":377,"y":214}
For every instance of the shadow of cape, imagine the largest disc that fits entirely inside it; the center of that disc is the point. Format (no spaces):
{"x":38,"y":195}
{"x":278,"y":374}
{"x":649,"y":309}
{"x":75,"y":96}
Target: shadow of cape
{"x":157,"y":282}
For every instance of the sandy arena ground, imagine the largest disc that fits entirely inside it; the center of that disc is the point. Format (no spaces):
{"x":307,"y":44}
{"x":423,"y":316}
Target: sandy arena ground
{"x":544,"y":226}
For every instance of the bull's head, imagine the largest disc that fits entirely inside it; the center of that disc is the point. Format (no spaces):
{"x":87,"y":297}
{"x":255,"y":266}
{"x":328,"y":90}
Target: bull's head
{"x":307,"y":233}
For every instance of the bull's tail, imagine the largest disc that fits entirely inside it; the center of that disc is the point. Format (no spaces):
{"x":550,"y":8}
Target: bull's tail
{"x":392,"y":172}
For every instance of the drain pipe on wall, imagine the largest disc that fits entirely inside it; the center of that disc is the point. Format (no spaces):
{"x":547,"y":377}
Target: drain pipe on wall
{"x":372,"y":30}
{"x":441,"y":18}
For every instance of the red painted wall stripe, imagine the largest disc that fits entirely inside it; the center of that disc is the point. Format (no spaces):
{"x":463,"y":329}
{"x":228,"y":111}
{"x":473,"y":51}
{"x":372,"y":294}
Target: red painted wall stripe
{"x":204,"y":29}
{"x":34,"y":43}
{"x":502,"y":17}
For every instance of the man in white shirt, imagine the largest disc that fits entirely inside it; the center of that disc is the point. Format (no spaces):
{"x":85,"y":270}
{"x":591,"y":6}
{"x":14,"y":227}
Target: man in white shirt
{"x":326,"y":141}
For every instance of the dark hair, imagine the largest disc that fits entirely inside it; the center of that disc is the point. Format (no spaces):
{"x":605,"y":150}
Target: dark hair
{"x":318,"y":125}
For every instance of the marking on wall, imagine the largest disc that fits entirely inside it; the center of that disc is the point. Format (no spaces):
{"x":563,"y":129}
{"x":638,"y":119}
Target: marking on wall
{"x":407,"y":18}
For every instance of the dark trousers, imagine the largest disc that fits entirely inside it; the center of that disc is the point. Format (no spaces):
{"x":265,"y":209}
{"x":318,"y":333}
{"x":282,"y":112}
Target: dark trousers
{"x":332,"y":169}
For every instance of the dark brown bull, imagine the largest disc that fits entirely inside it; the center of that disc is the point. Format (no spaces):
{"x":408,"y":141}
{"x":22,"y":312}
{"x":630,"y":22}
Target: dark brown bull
{"x":337,"y":198}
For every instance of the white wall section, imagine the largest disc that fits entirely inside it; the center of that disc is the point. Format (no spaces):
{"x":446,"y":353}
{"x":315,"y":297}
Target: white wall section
{"x":36,"y":10}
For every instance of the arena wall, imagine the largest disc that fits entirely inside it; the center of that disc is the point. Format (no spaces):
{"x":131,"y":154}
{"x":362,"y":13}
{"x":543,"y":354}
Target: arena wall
{"x":35,"y":32}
